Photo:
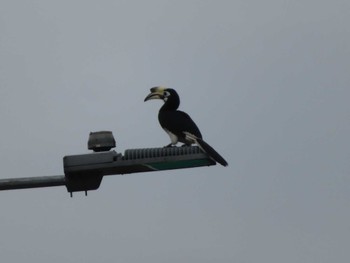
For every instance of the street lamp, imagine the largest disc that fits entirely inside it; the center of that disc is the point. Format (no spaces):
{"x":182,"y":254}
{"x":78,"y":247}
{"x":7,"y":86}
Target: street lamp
{"x":84,"y":172}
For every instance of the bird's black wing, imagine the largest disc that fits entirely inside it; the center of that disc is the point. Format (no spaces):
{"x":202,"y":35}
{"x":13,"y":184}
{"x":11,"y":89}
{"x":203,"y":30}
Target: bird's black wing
{"x":178,"y":122}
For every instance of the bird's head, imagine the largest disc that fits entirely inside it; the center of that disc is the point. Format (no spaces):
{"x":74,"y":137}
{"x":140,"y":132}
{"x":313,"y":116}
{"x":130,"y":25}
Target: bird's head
{"x":161,"y":93}
{"x":169,"y":96}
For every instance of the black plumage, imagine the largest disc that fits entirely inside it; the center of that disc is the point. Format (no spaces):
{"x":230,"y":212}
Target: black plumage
{"x":179,"y":124}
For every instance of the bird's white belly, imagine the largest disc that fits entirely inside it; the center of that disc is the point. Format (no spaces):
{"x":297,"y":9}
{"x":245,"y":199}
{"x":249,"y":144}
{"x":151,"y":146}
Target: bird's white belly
{"x":173,"y":138}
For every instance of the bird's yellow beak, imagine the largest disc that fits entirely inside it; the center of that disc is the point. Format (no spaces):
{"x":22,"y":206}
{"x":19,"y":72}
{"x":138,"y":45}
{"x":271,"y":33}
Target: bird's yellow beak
{"x":156,"y":93}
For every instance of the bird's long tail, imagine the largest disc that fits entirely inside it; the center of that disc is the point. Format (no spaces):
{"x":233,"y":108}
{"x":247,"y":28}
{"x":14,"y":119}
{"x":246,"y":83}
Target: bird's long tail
{"x":211,"y":152}
{"x":205,"y":147}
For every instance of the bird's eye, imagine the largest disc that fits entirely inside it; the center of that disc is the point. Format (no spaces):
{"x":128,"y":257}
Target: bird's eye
{"x":166,"y":94}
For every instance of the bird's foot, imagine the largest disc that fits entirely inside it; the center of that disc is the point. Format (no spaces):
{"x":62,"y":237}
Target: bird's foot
{"x":169,"y":145}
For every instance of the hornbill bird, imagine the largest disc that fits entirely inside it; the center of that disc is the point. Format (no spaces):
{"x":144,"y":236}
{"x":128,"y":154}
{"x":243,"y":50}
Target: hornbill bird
{"x":179,"y":124}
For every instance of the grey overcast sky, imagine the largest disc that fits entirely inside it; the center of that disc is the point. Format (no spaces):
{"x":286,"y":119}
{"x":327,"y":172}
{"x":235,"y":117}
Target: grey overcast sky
{"x":267,"y":82}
